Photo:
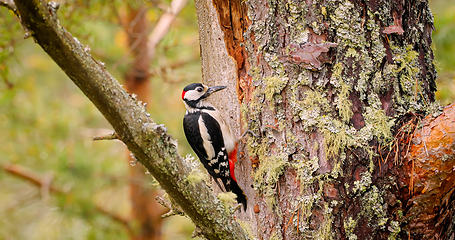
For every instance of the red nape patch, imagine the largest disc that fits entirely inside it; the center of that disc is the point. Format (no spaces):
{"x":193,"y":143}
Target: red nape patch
{"x":183,"y":94}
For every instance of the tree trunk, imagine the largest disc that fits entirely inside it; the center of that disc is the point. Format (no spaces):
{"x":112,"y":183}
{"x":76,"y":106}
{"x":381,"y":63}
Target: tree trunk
{"x":328,"y":86}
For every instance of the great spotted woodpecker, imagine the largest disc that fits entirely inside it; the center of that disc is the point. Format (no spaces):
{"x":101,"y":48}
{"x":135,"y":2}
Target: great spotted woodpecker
{"x":210,"y":137}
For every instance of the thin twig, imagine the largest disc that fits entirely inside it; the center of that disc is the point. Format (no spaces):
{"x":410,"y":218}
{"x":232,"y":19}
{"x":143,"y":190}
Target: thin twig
{"x":110,"y":136}
{"x":30,"y":176}
{"x":396,"y":153}
{"x":292,"y":217}
{"x":45,"y":184}
{"x":390,"y":150}
{"x":173,"y":209}
{"x":409,"y":144}
{"x":411,"y":182}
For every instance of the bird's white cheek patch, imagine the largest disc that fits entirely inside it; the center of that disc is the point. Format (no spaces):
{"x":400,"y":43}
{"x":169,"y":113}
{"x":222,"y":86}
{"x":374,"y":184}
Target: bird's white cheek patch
{"x":192,"y":95}
{"x":206,"y":139}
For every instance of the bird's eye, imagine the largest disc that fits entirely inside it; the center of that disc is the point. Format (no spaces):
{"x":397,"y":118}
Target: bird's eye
{"x":199,"y":89}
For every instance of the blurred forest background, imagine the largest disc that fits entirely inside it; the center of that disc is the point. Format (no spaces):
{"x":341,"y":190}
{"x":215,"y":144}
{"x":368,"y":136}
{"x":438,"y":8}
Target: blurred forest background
{"x":47,"y":124}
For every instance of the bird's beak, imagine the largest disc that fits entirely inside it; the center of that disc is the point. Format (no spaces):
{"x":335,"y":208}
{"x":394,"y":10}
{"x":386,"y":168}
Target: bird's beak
{"x":211,"y":90}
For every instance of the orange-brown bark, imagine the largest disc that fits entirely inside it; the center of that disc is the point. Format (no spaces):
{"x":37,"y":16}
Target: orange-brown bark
{"x":137,"y":78}
{"x":430,"y":175}
{"x":234,"y":21}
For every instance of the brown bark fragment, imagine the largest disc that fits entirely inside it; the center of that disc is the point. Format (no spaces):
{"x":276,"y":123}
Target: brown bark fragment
{"x":307,"y":54}
{"x":393,"y":29}
{"x":397,"y":27}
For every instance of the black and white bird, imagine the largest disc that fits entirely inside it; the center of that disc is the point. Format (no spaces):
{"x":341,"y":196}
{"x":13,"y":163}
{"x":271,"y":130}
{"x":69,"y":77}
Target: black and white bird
{"x":210,"y":137}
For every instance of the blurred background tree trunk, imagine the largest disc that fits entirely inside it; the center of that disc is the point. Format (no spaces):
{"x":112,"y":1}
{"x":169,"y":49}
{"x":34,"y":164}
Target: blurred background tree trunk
{"x":146,"y":212}
{"x":335,"y":89}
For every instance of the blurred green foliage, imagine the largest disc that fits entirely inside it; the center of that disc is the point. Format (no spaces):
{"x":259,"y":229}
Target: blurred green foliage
{"x":444,"y":46}
{"x":46,"y":123}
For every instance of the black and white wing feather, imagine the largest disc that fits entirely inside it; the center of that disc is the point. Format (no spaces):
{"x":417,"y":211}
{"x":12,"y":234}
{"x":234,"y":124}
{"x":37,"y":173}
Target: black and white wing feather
{"x":209,"y":144}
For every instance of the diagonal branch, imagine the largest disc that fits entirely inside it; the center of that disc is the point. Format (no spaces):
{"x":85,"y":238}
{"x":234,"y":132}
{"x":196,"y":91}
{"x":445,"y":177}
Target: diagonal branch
{"x":26,"y":174}
{"x":9,"y":4}
{"x":148,"y":141}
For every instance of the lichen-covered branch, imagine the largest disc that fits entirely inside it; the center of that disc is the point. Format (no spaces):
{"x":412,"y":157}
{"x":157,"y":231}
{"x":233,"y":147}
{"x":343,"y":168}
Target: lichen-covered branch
{"x":31,"y":177}
{"x":8,"y":4}
{"x":148,"y":141}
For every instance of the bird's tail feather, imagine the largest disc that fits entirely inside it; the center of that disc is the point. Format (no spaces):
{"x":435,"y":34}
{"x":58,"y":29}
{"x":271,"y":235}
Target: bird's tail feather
{"x":241,"y":197}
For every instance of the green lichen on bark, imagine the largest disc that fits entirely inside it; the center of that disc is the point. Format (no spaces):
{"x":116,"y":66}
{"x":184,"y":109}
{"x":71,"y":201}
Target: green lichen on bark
{"x":337,"y":136}
{"x":379,"y":124}
{"x":247,"y":227}
{"x":273,"y":86}
{"x":326,"y":231}
{"x":350,"y":225}
{"x":305,"y":169}
{"x":312,"y":108}
{"x":363,"y":184}
{"x":406,"y":69}
{"x":394,"y":229}
{"x":374,"y":208}
{"x":267,"y":175}
{"x":228,"y":199}
{"x":343,"y":104}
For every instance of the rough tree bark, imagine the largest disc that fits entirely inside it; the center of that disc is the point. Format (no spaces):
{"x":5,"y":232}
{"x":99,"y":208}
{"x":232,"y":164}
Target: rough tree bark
{"x":335,"y":89}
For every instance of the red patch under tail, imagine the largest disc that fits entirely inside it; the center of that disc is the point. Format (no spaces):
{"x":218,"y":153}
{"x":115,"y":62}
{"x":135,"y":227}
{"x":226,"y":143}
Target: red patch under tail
{"x":232,"y":160}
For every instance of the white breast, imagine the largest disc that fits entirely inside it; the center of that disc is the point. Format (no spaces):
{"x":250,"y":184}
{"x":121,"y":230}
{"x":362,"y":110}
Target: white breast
{"x":228,"y":137}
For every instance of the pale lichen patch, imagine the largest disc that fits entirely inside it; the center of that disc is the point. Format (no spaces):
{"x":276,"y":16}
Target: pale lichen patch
{"x":350,"y":225}
{"x":273,"y":86}
{"x":267,"y":175}
{"x":227,"y":198}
